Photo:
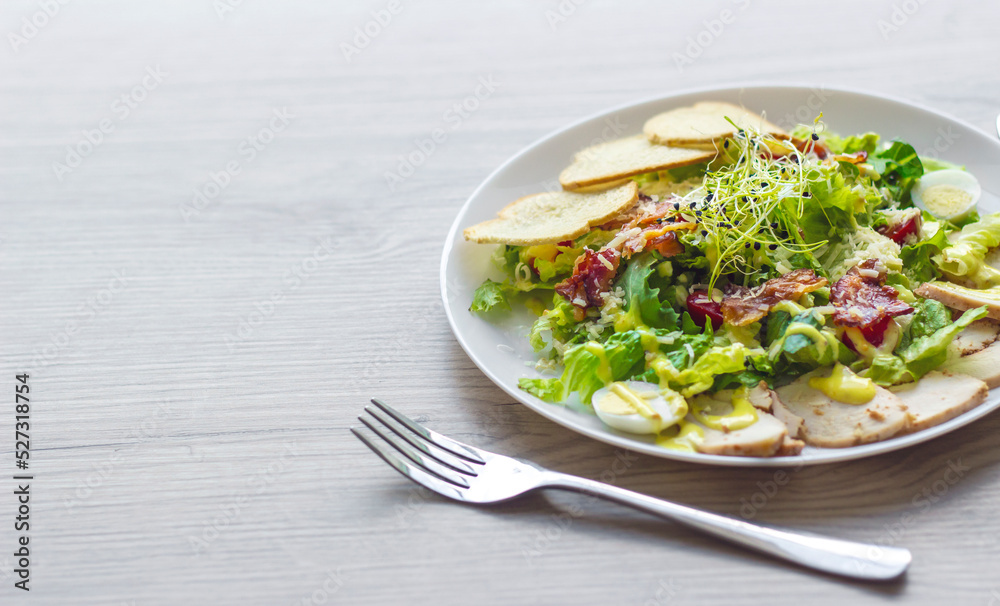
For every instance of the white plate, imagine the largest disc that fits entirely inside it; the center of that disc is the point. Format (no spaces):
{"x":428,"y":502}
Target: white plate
{"x":501,"y":350}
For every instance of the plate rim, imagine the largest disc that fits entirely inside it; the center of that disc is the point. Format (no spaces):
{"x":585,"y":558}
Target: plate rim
{"x":830,"y":456}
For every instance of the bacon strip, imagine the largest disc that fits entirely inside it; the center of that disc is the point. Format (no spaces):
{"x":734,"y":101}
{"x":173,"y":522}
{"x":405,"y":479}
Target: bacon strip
{"x":593,"y":273}
{"x":592,"y":276}
{"x":742,"y":306}
{"x":862,"y":300}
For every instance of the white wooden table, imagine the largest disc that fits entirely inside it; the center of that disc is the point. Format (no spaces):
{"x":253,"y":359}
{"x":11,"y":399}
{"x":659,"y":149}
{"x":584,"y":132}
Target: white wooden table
{"x":206,"y":274}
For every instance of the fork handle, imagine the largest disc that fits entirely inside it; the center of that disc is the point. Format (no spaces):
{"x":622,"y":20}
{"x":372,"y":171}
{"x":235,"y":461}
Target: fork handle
{"x":846,"y":558}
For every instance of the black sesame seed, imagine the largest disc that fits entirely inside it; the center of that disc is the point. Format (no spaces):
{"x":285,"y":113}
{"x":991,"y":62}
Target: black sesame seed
{"x":815,"y":137}
{"x":756,"y":245}
{"x":697,"y":213}
{"x":774,"y":226}
{"x":763,"y":184}
{"x":747,"y":245}
{"x":725,"y":144}
{"x":677,"y":206}
{"x":709,"y":197}
{"x":704,"y":233}
{"x":772,"y":246}
{"x":806,"y":195}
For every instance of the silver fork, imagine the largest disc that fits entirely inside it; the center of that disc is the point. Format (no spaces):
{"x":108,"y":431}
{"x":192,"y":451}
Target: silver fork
{"x":472,"y":475}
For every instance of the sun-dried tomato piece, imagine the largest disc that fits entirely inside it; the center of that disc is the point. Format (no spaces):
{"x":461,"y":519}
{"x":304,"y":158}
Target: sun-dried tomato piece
{"x":742,"y":306}
{"x":862,"y":300}
{"x":703,"y":309}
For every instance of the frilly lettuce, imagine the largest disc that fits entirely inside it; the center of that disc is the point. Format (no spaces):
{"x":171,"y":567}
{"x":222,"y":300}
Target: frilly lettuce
{"x":588,"y":366}
{"x":701,"y":375}
{"x":964,"y":259}
{"x":924,"y":350}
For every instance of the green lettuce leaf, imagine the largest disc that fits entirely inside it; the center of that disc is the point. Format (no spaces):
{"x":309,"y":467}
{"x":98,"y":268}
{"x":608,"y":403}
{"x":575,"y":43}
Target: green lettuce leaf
{"x":965,"y":257}
{"x":489,"y":296}
{"x":584,"y":371}
{"x":852,"y":144}
{"x":926,"y":353}
{"x":918,"y":265}
{"x":641,"y":296}
{"x":701,"y":375}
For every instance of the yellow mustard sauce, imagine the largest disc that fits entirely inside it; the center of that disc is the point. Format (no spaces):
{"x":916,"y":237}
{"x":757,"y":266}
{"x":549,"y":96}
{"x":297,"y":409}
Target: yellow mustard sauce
{"x":604,"y":368}
{"x":684,"y":437}
{"x":743,"y":414}
{"x":626,"y":401}
{"x":844,"y":386}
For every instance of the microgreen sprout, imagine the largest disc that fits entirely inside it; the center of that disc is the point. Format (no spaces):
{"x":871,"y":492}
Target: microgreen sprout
{"x":745,"y":204}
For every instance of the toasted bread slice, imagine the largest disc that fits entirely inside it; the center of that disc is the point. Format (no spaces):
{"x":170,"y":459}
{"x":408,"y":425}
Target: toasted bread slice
{"x":623,"y":158}
{"x":552,"y":217}
{"x":705,"y":123}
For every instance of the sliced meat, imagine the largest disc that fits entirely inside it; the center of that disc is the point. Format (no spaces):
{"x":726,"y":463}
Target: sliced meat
{"x":940,"y":396}
{"x":593,"y":273}
{"x":862,"y":299}
{"x":983,"y":365}
{"x":760,"y":397}
{"x":976,"y":337}
{"x":742,"y":306}
{"x":790,"y":447}
{"x":960,"y":297}
{"x":832,"y":424}
{"x":793,"y":422}
{"x":764,"y":399}
{"x":762,"y":439}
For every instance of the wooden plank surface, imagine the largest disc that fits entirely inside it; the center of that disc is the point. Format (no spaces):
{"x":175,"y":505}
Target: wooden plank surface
{"x":196,"y":362}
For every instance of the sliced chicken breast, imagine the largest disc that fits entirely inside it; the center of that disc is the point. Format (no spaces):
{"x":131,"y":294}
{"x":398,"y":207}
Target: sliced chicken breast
{"x":762,"y":439}
{"x":939,"y":396}
{"x":983,"y":365}
{"x":976,"y":337}
{"x":832,"y":424}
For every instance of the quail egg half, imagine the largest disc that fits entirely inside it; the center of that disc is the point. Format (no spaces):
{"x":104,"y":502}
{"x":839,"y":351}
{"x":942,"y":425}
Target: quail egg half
{"x":638,"y":407}
{"x":949,"y":194}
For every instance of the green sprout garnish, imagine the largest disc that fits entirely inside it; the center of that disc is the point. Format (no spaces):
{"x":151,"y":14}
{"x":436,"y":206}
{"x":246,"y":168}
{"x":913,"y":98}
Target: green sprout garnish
{"x":743,"y":207}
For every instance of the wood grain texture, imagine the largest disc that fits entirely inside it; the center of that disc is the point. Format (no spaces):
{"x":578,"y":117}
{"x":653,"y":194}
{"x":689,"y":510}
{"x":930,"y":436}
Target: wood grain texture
{"x":208,"y":398}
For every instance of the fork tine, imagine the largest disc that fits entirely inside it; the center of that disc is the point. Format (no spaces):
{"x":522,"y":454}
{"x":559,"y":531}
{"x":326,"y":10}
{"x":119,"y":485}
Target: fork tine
{"x":425,"y":463}
{"x":413,"y":473}
{"x":455,"y":447}
{"x":447,"y":460}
